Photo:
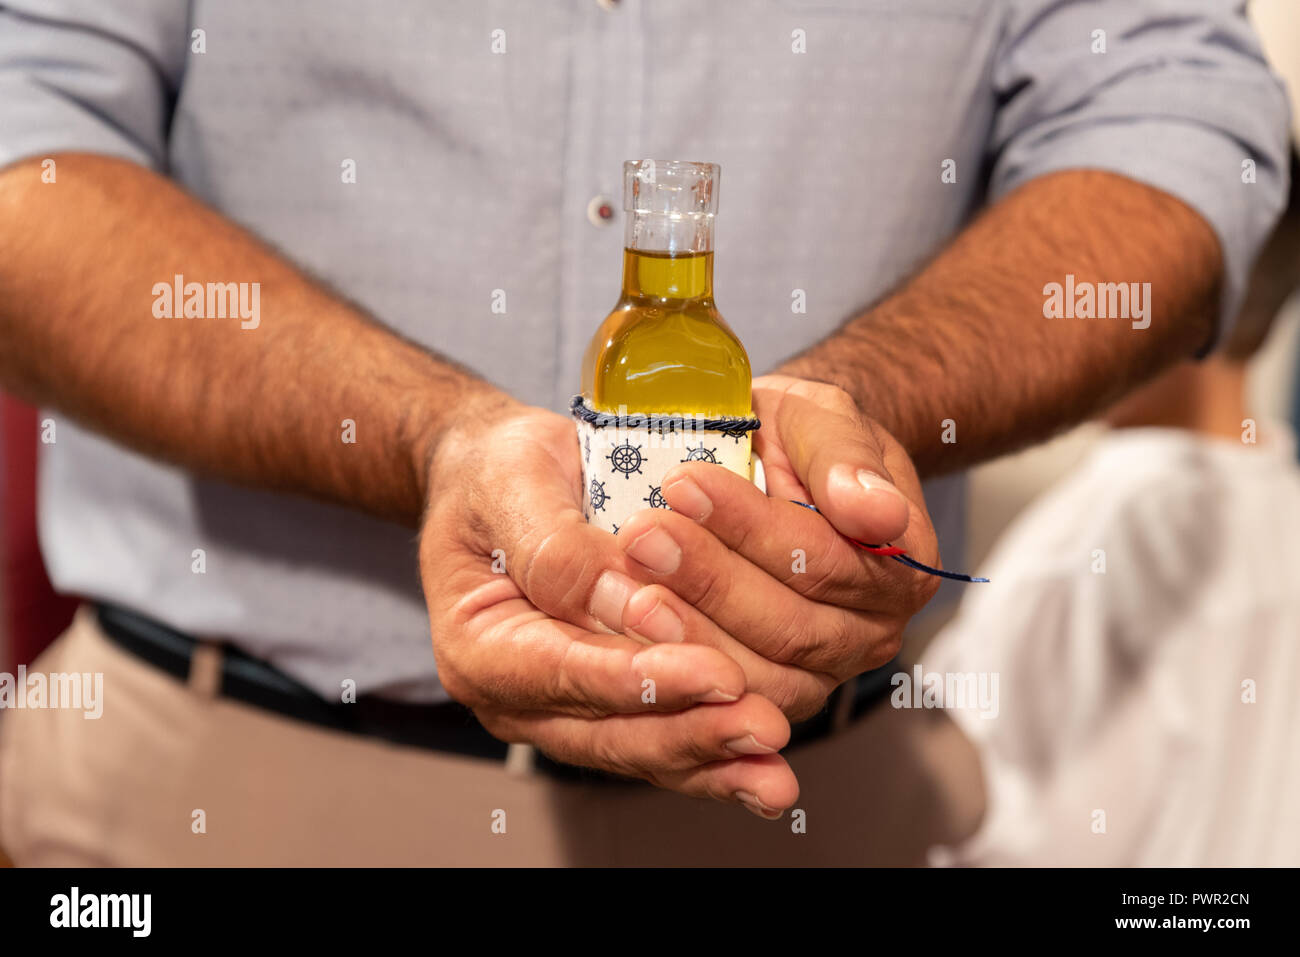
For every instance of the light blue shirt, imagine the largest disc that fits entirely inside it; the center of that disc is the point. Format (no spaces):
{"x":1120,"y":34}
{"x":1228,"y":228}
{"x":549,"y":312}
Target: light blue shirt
{"x":481,"y":134}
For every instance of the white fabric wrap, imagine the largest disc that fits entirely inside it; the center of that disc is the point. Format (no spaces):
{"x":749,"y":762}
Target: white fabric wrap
{"x":623,"y":466}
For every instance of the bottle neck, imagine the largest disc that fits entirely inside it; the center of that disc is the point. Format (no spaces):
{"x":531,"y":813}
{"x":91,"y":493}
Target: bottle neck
{"x":668,"y":256}
{"x":667,"y":276}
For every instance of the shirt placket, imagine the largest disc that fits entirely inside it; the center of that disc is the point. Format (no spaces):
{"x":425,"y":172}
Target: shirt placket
{"x":604,"y":127}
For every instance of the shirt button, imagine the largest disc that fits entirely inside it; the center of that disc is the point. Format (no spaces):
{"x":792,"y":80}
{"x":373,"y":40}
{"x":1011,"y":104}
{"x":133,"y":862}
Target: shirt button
{"x":608,"y":4}
{"x":600,"y":211}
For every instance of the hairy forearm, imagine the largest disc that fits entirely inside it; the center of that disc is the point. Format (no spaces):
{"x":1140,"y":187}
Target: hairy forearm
{"x":262,"y":404}
{"x":963,"y":350}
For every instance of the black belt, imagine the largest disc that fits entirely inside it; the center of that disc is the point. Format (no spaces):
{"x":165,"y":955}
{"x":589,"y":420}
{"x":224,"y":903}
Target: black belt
{"x":448,"y":727}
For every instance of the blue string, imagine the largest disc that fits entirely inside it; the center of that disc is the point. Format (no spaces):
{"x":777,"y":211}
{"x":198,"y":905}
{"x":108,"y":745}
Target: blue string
{"x":909,"y":562}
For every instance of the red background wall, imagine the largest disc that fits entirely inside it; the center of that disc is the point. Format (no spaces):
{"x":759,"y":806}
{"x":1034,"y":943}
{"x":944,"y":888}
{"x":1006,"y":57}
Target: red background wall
{"x":33,"y":614}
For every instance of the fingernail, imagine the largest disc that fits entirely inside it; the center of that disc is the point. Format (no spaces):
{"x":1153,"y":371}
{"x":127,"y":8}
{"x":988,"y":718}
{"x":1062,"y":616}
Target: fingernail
{"x":687,"y":498}
{"x":660,"y":624}
{"x":716,"y":696}
{"x":748,"y":745}
{"x":609,"y":598}
{"x":752,"y":803}
{"x":876,"y":483}
{"x":656,"y":550}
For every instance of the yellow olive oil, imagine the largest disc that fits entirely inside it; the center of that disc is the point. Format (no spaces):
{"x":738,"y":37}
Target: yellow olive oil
{"x":665,"y":348}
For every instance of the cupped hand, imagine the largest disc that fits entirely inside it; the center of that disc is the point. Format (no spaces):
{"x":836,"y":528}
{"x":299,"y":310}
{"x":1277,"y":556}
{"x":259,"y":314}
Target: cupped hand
{"x":535,"y":616}
{"x":781,"y":588}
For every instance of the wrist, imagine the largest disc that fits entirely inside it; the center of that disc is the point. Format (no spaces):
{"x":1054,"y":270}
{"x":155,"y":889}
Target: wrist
{"x":437,"y":451}
{"x":810,"y":369}
{"x":872,"y":402}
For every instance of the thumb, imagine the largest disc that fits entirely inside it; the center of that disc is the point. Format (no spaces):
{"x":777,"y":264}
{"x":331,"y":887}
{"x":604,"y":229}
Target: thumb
{"x":841,"y":460}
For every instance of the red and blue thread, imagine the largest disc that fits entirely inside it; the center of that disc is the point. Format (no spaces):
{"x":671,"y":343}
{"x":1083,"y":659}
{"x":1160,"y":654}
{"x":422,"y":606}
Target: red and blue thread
{"x":900,"y":555}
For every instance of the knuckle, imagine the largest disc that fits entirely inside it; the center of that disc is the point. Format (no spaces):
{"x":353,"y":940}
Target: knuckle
{"x":924,"y":590}
{"x":709,"y":587}
{"x":840,"y":401}
{"x":852,"y":635}
{"x":598,"y":752}
{"x":800,"y":641}
{"x":806,"y":704}
{"x":670,"y":752}
{"x":824,"y":578}
{"x":880,"y":436}
{"x":826,"y":394}
{"x":901,"y":599}
{"x":883,"y":650}
{"x":793,"y":695}
{"x":566,"y":688}
{"x":540,"y":557}
{"x":457,"y":685}
{"x":610,"y":755}
{"x":559,"y":680}
{"x":787,"y":645}
{"x":741,"y":530}
{"x":500,"y":727}
{"x":554,"y":568}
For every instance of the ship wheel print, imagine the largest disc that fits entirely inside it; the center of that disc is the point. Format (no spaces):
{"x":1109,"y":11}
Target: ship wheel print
{"x":655,"y":498}
{"x":598,"y":495}
{"x":700,"y":455}
{"x":626,"y":458}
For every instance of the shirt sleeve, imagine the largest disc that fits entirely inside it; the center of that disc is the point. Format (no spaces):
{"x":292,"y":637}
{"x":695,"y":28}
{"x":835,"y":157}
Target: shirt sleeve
{"x":1180,"y":99}
{"x":96,"y":76}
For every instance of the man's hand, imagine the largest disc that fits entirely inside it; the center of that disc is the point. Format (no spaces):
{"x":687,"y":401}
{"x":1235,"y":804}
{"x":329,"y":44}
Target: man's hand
{"x":775,"y":585}
{"x":527,"y":601}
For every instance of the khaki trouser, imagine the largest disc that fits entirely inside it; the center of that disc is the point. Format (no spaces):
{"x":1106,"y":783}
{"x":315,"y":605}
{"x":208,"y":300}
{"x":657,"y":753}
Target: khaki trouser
{"x":173,"y":775}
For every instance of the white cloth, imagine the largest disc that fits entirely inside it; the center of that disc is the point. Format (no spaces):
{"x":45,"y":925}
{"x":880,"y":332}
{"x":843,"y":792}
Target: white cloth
{"x":1123,"y":691}
{"x":624,"y":466}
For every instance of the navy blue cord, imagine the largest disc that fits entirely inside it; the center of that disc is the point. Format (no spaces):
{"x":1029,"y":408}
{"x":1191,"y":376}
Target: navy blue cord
{"x":903,"y":558}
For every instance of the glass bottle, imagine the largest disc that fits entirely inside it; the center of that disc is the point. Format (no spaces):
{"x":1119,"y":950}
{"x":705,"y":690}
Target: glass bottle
{"x":665,"y":348}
